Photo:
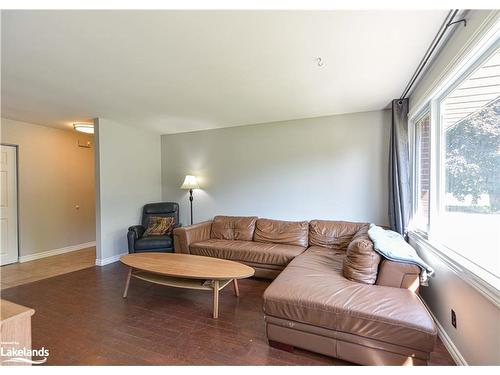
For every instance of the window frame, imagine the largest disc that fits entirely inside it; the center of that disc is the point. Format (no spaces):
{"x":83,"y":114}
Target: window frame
{"x":441,"y":150}
{"x":484,"y":280}
{"x":415,"y":166}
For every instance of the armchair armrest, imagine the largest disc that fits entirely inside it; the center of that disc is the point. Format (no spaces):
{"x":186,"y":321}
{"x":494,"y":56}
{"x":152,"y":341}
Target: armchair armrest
{"x":398,"y":275}
{"x":134,"y":232}
{"x":185,"y":236}
{"x":137,"y":231}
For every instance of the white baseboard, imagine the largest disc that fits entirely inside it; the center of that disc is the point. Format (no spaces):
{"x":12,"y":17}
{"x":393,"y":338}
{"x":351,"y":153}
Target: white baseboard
{"x":109,"y":260}
{"x":449,"y":345}
{"x":49,"y":253}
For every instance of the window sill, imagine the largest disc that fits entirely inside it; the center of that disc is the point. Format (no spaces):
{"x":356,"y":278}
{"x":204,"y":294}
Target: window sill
{"x":482,"y":281}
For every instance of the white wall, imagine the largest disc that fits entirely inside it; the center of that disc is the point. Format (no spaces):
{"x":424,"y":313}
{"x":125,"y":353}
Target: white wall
{"x":129,"y":176}
{"x":55,"y":175}
{"x":330,"y":167}
{"x":476,"y":340}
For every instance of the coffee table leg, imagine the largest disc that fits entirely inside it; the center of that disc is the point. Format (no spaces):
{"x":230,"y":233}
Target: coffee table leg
{"x":236,"y":288}
{"x":216,"y":299}
{"x":127,"y":283}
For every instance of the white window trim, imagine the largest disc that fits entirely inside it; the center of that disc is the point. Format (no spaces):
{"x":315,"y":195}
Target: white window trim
{"x":469,"y":272}
{"x":482,"y":280}
{"x":415,"y":164}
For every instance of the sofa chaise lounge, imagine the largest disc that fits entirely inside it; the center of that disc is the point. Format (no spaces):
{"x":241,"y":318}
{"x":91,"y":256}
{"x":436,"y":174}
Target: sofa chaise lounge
{"x":331,"y":294}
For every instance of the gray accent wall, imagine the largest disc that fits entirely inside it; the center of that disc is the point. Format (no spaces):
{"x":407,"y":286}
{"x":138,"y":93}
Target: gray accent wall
{"x":326,"y":168}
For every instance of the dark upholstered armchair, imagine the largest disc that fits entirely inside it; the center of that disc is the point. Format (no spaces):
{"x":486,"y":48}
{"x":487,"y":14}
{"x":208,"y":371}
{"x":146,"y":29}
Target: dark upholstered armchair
{"x":137,"y":243}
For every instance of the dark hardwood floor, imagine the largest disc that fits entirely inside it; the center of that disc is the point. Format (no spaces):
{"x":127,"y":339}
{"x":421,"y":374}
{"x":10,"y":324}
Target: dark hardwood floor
{"x":83,"y":320}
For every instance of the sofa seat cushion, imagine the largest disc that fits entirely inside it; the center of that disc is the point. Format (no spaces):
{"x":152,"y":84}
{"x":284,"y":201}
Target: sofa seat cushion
{"x":247,"y":251}
{"x":312,"y":290}
{"x":153,"y":242}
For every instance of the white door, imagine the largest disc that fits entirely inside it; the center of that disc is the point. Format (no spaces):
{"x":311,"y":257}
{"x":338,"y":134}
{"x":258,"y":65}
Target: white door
{"x":8,"y":205}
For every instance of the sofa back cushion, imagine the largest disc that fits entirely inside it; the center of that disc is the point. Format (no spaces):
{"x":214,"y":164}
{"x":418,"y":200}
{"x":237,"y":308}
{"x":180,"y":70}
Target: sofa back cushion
{"x":331,"y":234}
{"x":279,"y":231}
{"x":361,"y":260}
{"x":233,"y":228}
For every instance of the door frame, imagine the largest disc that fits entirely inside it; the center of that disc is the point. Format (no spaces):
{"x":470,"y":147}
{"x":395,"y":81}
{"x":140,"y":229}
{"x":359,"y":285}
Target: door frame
{"x":17,"y":199}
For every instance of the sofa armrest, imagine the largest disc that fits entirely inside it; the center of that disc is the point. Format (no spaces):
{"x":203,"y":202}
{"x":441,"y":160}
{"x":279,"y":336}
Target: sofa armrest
{"x":398,"y":275}
{"x":185,"y":236}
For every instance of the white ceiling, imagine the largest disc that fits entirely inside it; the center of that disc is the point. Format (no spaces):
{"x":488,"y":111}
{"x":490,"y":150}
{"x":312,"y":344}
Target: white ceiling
{"x":177,"y":71}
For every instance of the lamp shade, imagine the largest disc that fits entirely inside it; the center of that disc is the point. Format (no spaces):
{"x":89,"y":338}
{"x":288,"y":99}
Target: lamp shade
{"x":190,"y":183}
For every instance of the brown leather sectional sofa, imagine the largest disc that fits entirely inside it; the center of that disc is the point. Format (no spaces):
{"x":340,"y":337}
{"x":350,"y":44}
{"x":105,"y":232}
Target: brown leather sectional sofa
{"x":331,"y":294}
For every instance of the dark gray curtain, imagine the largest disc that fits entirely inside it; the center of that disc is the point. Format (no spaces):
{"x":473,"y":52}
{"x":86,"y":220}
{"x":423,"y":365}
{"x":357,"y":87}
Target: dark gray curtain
{"x":399,"y":168}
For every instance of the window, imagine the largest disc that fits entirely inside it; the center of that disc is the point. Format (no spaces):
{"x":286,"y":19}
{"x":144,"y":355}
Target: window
{"x":423,"y":160}
{"x":457,"y":175}
{"x":469,"y":211}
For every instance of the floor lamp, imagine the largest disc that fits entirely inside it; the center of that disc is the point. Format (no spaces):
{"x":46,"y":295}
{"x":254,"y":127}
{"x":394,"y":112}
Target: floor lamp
{"x":190,"y":183}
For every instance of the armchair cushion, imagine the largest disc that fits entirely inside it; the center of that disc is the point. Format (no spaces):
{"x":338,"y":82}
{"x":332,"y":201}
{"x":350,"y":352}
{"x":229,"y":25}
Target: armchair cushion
{"x":153,"y":242}
{"x":159,"y":226}
{"x":163,"y":209}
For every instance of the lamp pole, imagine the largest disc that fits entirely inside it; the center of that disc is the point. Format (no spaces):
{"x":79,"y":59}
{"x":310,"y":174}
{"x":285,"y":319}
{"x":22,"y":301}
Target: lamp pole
{"x":190,"y":184}
{"x":191,"y":203}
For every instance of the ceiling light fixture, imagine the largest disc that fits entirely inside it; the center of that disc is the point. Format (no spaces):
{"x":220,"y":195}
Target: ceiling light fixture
{"x":84,"y":128}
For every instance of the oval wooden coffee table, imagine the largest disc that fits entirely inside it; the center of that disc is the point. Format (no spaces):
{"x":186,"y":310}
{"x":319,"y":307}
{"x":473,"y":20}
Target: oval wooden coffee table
{"x":186,"y":271}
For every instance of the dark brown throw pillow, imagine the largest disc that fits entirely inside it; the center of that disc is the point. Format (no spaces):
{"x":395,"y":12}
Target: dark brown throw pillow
{"x":159,"y":226}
